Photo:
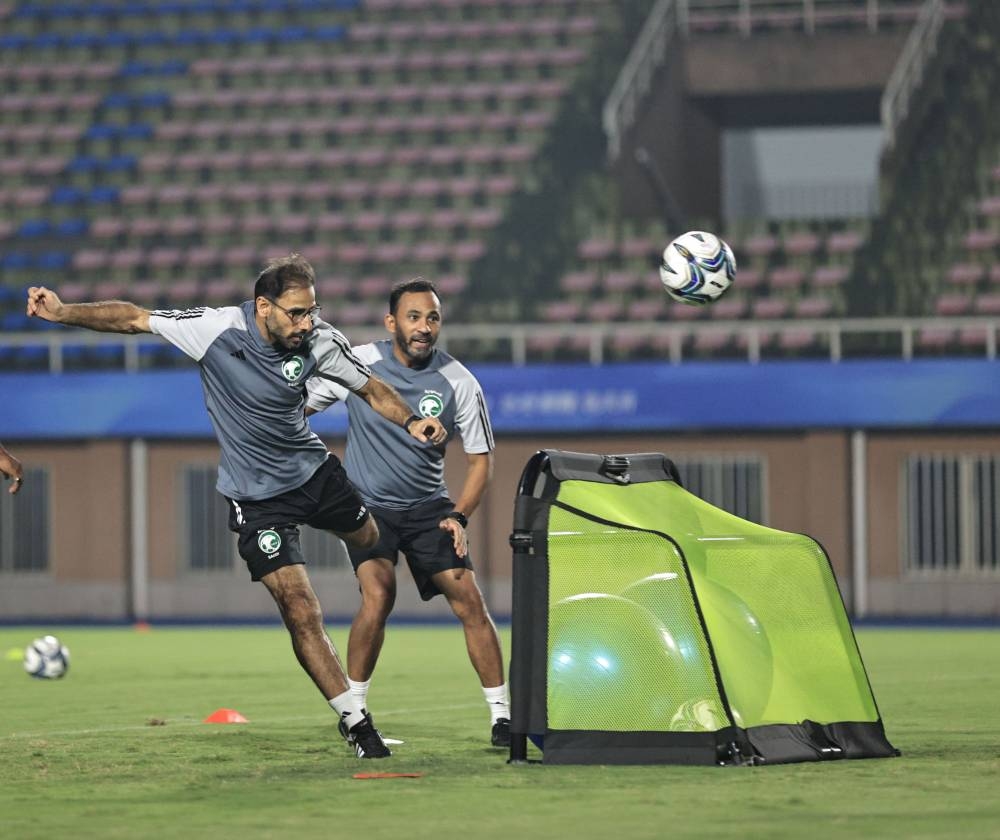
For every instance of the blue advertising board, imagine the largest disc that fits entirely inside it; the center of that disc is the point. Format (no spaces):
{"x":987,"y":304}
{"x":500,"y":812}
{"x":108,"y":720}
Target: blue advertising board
{"x":581,"y":399}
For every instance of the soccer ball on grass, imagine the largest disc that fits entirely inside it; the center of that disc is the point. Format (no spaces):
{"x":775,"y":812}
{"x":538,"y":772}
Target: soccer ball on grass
{"x":697,"y":268}
{"x":46,"y":658}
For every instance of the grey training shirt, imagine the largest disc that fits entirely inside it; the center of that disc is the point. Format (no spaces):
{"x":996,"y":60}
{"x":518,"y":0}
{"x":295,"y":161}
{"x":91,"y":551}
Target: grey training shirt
{"x":255,"y":394}
{"x":388,"y":466}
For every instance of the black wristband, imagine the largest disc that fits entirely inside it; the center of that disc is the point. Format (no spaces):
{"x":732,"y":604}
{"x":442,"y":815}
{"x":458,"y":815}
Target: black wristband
{"x":410,"y":421}
{"x":459,"y":517}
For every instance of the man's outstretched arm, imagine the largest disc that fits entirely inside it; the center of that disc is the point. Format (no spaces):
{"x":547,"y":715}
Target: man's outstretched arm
{"x":115,"y":316}
{"x":385,"y":399}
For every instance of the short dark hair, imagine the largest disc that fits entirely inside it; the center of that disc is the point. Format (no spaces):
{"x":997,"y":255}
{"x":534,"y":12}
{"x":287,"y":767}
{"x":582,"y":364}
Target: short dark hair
{"x":417,"y":284}
{"x":283,"y":273}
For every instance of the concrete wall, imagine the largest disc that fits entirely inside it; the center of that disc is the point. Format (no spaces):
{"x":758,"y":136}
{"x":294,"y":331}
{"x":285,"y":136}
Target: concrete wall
{"x":807,"y":486}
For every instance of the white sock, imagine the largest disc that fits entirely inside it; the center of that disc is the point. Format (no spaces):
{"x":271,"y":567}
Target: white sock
{"x":496,"y":699}
{"x":347,"y":706}
{"x":359,"y":690}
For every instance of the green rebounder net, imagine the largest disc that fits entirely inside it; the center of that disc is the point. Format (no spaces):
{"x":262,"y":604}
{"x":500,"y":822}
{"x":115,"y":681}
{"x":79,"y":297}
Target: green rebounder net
{"x":652,"y":627}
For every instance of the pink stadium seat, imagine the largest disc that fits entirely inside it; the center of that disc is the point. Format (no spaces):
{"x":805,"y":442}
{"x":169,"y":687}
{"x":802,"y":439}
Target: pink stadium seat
{"x":451,"y":284}
{"x":183,"y":293}
{"x":318,"y":253}
{"x":617,"y":282}
{"x":994,"y":277}
{"x":953,"y":304}
{"x":353,"y":314}
{"x":596,"y":248}
{"x":578,"y":282}
{"x":429,"y":252}
{"x":543,"y":343}
{"x":785,"y":277}
{"x":390,"y":253}
{"x":143,"y":227}
{"x":828,"y":276}
{"x":110,"y":290}
{"x":352,"y":253}
{"x":145,"y":292}
{"x":627,"y":344}
{"x":73,"y":292}
{"x":200,"y":257}
{"x":604,"y":310}
{"x":729,"y":308}
{"x":182,"y":226}
{"x":444,"y":219}
{"x":165,"y":257}
{"x":845,"y":242}
{"x":685,"y":312}
{"x":333,"y":288}
{"x":749,"y":278}
{"x":646,"y":309}
{"x":711,"y":340}
{"x":468,"y":251}
{"x":240,"y":256}
{"x":813,"y":307}
{"x":982,"y":240}
{"x":987,"y":304}
{"x":109,"y":228}
{"x":760,"y":246}
{"x":797,"y":339}
{"x":331,"y":222}
{"x":990,"y":206}
{"x":802,"y":244}
{"x":972,"y":336}
{"x":965,"y":274}
{"x":637,"y":248}
{"x":769,"y":308}
{"x":500,"y":185}
{"x":89,"y":260}
{"x":373,"y":286}
{"x":561,"y":311}
{"x":224,"y":291}
{"x":484,"y":218}
{"x":127,"y":259}
{"x":935,"y":338}
{"x":406,"y":220}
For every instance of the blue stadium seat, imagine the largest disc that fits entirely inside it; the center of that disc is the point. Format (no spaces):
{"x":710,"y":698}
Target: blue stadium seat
{"x":66,"y":195}
{"x":34,"y":227}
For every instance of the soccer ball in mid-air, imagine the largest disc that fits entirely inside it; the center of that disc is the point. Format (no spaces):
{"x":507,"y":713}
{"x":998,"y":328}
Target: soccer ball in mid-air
{"x":46,"y":658}
{"x":697,"y":268}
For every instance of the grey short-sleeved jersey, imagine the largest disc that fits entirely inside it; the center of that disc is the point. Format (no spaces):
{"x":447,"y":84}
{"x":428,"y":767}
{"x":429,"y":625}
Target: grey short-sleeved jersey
{"x":390,"y":468}
{"x":255,"y":394}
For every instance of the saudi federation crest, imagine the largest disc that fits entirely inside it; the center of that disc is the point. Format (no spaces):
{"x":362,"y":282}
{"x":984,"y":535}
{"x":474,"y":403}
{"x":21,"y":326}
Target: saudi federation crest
{"x":291,"y":368}
{"x":268,"y":541}
{"x":430,"y":405}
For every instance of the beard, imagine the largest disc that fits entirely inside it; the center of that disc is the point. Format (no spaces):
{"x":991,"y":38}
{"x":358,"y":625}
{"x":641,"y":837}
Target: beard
{"x":418,"y":351}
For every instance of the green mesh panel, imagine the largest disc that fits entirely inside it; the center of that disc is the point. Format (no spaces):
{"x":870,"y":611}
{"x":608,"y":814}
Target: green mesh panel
{"x":771,"y":605}
{"x":625,"y":649}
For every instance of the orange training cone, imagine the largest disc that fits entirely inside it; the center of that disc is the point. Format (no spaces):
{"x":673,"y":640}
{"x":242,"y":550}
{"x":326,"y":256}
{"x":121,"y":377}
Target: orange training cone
{"x":225,"y":716}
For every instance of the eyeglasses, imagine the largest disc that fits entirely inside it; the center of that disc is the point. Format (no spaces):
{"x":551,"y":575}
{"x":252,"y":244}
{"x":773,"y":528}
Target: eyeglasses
{"x":298,"y":315}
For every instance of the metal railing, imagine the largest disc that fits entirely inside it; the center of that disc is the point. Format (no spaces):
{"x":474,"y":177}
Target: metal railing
{"x":908,"y":72}
{"x":636,"y":75}
{"x":669,"y":19}
{"x":596,"y":343}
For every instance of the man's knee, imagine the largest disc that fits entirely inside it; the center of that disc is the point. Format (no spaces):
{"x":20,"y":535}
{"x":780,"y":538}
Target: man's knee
{"x":377,"y":580}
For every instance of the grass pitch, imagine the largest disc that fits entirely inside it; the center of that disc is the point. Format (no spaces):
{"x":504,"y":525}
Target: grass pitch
{"x":117,"y":750}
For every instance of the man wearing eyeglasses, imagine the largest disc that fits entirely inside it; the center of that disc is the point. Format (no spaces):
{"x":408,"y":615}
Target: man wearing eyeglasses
{"x":255,"y":360}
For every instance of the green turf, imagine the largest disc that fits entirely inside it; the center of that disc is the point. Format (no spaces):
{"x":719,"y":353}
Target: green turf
{"x":116,"y":749}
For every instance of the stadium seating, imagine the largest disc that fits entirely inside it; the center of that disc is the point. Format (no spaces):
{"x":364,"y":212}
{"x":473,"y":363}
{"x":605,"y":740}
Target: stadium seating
{"x":148,"y":141}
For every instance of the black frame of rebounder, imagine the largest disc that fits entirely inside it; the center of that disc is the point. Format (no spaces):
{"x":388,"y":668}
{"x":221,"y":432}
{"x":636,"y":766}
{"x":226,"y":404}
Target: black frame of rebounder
{"x":772,"y":744}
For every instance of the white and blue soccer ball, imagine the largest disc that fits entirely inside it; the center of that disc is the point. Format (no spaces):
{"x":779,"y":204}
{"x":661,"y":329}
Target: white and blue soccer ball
{"x":46,"y":658}
{"x":697,"y":268}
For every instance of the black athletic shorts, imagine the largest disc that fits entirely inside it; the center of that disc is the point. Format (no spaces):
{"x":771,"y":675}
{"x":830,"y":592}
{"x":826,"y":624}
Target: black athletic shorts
{"x":414,"y":531}
{"x":268,"y":529}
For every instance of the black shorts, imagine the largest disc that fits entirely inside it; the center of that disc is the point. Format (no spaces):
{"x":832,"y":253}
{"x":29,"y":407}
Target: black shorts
{"x":414,"y":531}
{"x":268,"y":528}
